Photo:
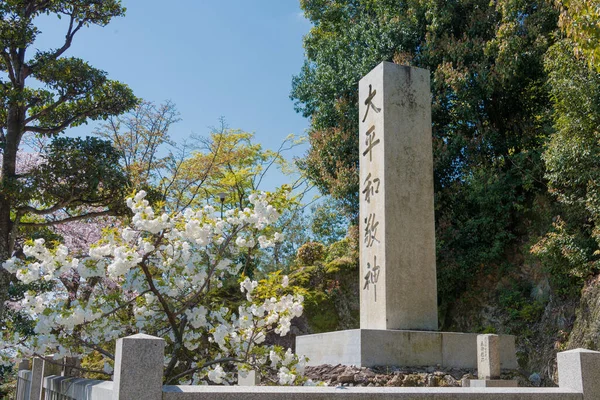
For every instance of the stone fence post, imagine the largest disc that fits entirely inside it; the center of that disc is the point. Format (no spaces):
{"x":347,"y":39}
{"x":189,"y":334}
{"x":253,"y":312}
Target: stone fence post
{"x":579,"y":370}
{"x":24,"y":365}
{"x":39,"y":370}
{"x":138,"y":369}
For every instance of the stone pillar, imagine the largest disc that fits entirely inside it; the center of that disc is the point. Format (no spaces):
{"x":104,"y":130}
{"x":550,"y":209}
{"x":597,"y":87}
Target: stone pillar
{"x":138,"y":368}
{"x":579,"y":370}
{"x":70,"y":365}
{"x":488,"y":357}
{"x":397,"y":228}
{"x":23,"y":365}
{"x":37,"y":378}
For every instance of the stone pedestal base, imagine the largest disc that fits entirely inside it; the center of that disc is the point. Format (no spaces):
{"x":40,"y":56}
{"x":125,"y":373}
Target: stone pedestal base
{"x":372,"y":347}
{"x":482,"y":383}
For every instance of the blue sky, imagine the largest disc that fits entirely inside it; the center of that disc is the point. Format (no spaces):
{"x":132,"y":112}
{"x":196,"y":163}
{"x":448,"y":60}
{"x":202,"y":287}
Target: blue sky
{"x":230,"y":58}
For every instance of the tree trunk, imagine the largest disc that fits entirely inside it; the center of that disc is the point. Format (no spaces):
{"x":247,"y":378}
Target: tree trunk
{"x":14,"y":132}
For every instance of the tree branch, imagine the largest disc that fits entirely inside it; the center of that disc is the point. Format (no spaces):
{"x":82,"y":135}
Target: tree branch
{"x":54,"y":362}
{"x":208,"y":364}
{"x":56,"y":129}
{"x":52,"y":107}
{"x":9,"y":67}
{"x":65,"y":220}
{"x":68,"y":37}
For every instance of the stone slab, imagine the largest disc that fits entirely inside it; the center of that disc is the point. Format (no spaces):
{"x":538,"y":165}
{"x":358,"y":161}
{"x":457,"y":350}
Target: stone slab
{"x":490,"y":383}
{"x":363,"y":393}
{"x":372,"y":347}
{"x":398,"y":288}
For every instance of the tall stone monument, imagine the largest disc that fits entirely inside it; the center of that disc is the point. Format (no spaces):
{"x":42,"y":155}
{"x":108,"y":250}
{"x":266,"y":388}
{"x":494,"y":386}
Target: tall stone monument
{"x":397,"y":228}
{"x":398,"y":291}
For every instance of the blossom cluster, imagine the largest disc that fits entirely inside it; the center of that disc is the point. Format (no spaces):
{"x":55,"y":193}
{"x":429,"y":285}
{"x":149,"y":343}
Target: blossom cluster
{"x":160,"y":275}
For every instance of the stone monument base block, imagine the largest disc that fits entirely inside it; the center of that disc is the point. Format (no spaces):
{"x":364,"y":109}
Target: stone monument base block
{"x":373,"y":347}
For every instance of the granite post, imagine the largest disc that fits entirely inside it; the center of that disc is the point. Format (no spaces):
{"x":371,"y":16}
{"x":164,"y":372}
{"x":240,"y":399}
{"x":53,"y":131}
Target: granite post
{"x":579,"y":370}
{"x":488,"y":357}
{"x":23,"y":365}
{"x":138,"y":368}
{"x":397,"y":229}
{"x":488,"y":364}
{"x":37,"y":376}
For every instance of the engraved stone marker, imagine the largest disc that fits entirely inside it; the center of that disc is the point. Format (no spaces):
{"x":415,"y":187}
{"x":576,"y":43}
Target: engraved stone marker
{"x":397,"y":262}
{"x":398,"y":289}
{"x":488,"y":357}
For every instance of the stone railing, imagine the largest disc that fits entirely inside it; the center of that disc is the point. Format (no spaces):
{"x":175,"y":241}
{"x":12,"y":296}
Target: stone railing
{"x":139,"y":367}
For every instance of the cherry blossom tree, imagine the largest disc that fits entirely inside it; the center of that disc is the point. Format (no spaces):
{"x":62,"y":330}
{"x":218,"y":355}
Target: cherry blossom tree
{"x":161,"y":275}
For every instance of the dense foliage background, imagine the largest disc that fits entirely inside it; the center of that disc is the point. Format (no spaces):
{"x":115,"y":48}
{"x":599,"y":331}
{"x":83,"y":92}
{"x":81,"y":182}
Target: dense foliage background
{"x":515,"y":132}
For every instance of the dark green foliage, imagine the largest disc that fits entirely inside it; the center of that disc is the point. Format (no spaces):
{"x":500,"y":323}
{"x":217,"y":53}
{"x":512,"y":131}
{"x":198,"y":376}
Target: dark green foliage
{"x":67,"y":92}
{"x":491,"y":111}
{"x":522,"y":311}
{"x":42,"y":94}
{"x":86,"y":170}
{"x":570,"y":247}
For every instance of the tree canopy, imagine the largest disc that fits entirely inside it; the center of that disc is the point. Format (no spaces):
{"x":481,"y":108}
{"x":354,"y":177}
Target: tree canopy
{"x":491,"y":111}
{"x":43,"y":92}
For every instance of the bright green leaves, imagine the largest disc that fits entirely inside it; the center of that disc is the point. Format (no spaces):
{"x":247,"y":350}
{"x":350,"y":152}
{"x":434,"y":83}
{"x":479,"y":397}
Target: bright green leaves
{"x":580,"y":19}
{"x":570,"y":247}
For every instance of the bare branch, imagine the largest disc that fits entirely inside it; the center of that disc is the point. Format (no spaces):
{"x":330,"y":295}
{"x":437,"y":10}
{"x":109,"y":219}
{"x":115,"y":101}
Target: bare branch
{"x":65,"y":220}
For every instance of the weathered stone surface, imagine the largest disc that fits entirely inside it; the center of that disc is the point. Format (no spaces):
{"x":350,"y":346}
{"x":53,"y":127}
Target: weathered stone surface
{"x":23,"y":365}
{"x":397,"y":261}
{"x":250,"y":378}
{"x":489,"y":383}
{"x":23,"y":390}
{"x":37,"y":376}
{"x":371,"y":347}
{"x":579,"y":370}
{"x":362,"y":393}
{"x":138,"y":368}
{"x":488,"y":356}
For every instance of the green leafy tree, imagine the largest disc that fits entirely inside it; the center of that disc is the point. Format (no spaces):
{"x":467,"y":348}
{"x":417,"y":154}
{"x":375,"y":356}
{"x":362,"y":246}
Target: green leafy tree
{"x":580,"y":20}
{"x":43,"y":93}
{"x":328,"y":224}
{"x":570,"y":248}
{"x":490,"y":111}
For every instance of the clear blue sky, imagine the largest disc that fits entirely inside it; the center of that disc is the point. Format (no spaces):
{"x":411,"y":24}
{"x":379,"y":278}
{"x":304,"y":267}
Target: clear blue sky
{"x":230,"y":58}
